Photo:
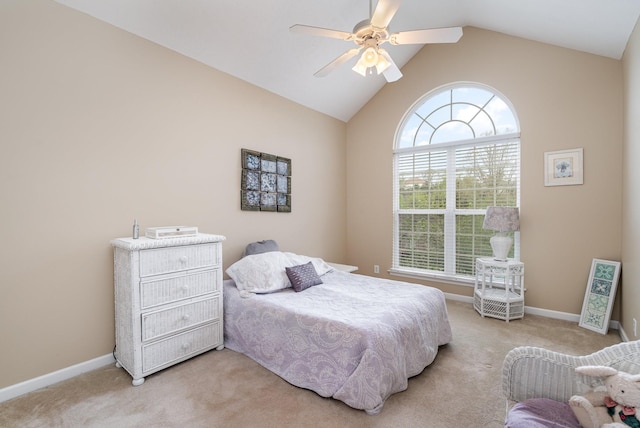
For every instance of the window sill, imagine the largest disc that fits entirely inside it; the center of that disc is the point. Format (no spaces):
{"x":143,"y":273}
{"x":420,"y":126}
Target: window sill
{"x":464,"y":281}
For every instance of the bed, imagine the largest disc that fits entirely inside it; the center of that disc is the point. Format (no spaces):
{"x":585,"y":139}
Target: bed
{"x":351,"y":337}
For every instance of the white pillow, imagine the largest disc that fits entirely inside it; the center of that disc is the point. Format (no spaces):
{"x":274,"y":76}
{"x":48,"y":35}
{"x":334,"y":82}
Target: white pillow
{"x":261,"y":273}
{"x":320,"y":265}
{"x":266,"y":272}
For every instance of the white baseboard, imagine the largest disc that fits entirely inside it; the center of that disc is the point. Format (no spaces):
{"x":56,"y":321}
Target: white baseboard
{"x":614,"y":325}
{"x":623,"y":335}
{"x":458,"y":298}
{"x":31,"y":385}
{"x":552,"y":314}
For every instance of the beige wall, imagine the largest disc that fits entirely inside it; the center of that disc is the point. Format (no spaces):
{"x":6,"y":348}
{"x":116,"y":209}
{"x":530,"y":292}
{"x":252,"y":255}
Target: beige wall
{"x":630,"y":292}
{"x":564,"y":99}
{"x":99,"y":127}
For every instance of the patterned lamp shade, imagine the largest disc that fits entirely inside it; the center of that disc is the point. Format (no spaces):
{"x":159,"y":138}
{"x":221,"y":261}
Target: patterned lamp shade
{"x":502,"y":219}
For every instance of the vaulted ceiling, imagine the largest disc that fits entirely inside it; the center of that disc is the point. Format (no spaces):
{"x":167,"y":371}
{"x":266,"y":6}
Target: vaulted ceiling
{"x":250,"y":39}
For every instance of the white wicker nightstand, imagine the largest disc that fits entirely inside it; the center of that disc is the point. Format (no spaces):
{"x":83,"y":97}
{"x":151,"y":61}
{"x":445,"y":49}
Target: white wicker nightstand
{"x":499,"y":288}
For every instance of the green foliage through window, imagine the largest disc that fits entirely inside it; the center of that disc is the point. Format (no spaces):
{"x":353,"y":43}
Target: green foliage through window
{"x":457,"y":153}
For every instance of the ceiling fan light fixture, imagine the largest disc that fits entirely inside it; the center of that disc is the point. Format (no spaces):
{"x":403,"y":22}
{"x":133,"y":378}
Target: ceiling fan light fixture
{"x":370,"y":57}
{"x":383,"y":62}
{"x":360,"y":68}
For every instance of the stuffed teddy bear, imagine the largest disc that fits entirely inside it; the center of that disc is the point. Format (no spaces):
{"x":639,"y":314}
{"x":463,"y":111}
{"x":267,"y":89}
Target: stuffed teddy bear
{"x":613,"y":407}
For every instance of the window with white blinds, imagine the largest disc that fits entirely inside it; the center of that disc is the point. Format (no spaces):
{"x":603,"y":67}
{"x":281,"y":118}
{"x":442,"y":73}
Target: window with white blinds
{"x":457,"y":151}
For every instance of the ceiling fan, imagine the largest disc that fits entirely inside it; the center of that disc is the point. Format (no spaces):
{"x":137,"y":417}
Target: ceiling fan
{"x":370,"y":34}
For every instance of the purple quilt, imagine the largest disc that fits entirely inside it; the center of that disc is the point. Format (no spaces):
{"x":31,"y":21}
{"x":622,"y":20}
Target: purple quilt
{"x":354,"y":338}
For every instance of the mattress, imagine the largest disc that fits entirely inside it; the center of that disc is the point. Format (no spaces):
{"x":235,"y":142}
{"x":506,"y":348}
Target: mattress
{"x":355,"y":338}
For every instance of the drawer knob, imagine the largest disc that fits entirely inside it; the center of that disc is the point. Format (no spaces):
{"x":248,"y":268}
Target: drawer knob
{"x":186,"y":317}
{"x":185,"y":288}
{"x":185,"y":346}
{"x":183,"y":259}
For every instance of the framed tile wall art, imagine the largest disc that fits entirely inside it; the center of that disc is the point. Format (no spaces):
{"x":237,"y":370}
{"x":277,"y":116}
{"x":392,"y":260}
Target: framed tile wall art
{"x":598,"y":299}
{"x":563,"y":167}
{"x":266,"y":182}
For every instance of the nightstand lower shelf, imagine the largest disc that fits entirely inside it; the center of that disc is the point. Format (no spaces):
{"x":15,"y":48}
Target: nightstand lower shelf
{"x":494,"y":303}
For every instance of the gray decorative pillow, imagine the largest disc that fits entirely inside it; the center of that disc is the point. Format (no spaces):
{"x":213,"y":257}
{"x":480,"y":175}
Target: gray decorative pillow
{"x":261,"y":247}
{"x":303,"y":276}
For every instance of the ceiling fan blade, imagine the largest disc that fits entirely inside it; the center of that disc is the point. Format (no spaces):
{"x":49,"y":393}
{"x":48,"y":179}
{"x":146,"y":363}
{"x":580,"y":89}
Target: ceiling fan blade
{"x":434,"y":35}
{"x":319,"y":31}
{"x":385,"y":10}
{"x":337,"y":62}
{"x":392,"y":73}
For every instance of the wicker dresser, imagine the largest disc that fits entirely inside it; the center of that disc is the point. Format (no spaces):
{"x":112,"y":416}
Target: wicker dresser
{"x":168,"y":301}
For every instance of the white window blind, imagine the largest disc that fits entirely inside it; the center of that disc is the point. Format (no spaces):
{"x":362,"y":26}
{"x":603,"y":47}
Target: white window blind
{"x":456,"y":153}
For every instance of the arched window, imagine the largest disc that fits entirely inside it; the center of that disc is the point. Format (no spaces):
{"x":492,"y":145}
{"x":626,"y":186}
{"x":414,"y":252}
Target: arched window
{"x":456,"y":152}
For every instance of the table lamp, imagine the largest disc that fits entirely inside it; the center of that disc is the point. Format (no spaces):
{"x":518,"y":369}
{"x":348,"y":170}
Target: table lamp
{"x":502,"y":220}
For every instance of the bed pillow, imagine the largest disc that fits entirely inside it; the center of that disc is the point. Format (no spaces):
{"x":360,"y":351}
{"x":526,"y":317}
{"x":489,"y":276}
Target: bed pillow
{"x":260,"y":247}
{"x":266,"y":272}
{"x":261,"y":273}
{"x":320,"y":265}
{"x":303,"y":276}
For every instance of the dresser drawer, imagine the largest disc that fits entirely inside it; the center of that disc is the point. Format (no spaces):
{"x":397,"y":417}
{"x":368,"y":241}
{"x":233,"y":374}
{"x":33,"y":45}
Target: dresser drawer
{"x":159,"y":261}
{"x":160,"y":323}
{"x":181,"y":346}
{"x":178,"y":287}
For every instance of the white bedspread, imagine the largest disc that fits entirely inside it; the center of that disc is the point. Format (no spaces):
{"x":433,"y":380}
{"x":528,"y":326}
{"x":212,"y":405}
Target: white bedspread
{"x":354,"y":338}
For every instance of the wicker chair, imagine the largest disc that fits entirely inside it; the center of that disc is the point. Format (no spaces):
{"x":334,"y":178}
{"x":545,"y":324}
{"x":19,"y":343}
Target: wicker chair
{"x":530,"y":372}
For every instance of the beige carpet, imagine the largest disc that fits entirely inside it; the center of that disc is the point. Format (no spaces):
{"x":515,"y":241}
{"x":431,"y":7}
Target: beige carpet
{"x":225,"y":389}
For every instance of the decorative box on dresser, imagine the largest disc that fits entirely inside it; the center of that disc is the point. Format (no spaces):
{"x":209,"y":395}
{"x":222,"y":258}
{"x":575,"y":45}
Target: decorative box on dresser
{"x":168,"y":301}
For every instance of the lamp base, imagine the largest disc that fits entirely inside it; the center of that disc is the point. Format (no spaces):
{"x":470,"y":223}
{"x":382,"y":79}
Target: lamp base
{"x":501,"y":245}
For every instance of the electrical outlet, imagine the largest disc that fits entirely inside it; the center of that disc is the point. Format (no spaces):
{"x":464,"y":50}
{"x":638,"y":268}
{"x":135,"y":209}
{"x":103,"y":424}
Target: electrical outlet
{"x":376,"y":269}
{"x":635,"y":328}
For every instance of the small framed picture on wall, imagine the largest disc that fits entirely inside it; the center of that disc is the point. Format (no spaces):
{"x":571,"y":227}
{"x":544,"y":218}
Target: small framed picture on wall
{"x":563,"y":167}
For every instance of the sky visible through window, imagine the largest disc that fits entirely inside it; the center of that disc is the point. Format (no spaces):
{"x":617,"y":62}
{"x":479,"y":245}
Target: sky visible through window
{"x":455,"y":115}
